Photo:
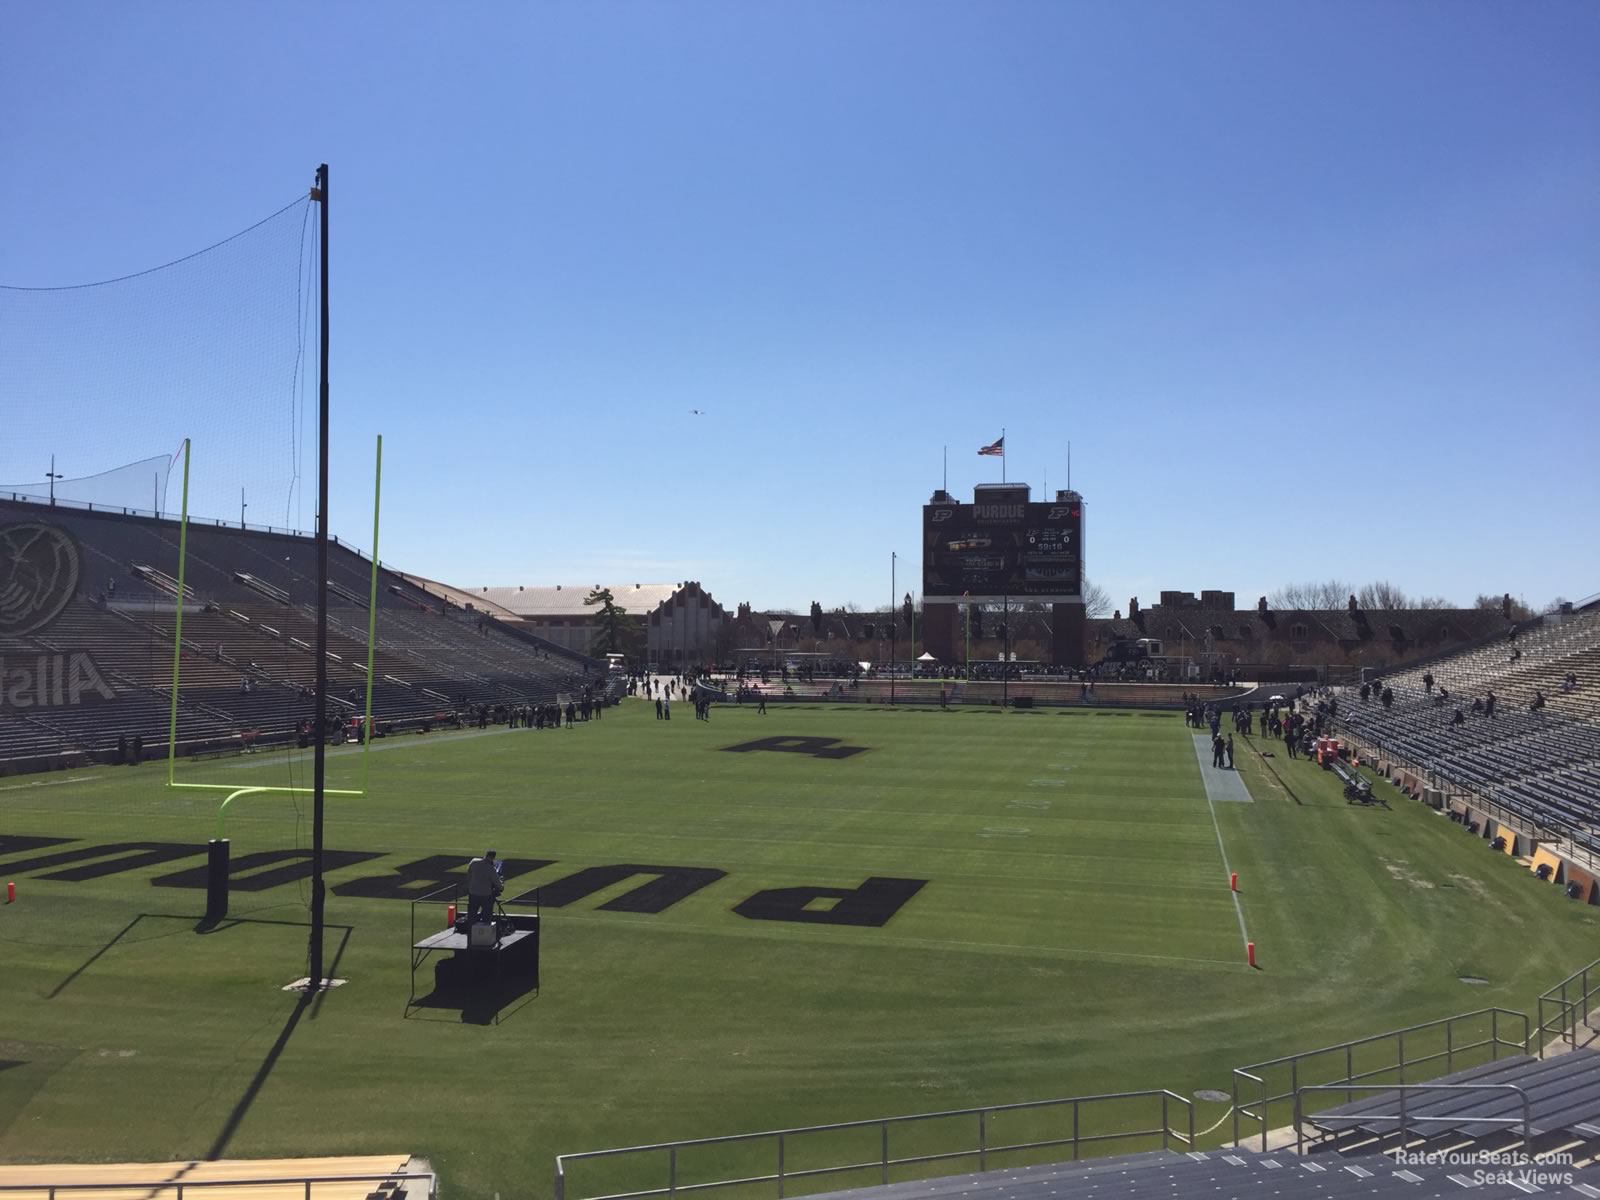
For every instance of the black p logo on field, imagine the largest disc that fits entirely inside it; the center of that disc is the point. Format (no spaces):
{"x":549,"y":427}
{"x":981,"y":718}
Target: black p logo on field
{"x":816,"y":747}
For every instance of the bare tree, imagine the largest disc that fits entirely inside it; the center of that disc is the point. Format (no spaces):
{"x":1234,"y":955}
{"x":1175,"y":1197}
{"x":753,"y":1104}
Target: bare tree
{"x":1330,"y":593}
{"x":1096,"y":600}
{"x":1382,"y":596}
{"x":1432,"y":602}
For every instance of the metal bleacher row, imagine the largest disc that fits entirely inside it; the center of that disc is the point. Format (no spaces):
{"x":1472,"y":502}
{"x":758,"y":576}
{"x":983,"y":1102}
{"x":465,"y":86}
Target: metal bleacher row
{"x":249,"y":634}
{"x":1215,"y":1174}
{"x":1563,"y":1094}
{"x":1542,"y":764}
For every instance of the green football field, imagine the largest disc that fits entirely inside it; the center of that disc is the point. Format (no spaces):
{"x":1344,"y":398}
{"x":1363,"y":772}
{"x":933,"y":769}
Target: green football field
{"x":1073,"y":933}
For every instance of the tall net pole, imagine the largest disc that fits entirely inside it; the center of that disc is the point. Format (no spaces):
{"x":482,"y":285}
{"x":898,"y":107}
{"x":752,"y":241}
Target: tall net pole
{"x":177,"y":621}
{"x":319,"y":759}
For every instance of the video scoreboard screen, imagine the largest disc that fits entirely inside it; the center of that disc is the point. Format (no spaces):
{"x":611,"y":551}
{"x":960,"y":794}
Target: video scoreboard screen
{"x":1003,"y":545}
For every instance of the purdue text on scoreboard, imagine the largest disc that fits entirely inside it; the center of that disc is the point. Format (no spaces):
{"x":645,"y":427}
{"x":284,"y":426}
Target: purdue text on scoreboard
{"x":992,"y":549}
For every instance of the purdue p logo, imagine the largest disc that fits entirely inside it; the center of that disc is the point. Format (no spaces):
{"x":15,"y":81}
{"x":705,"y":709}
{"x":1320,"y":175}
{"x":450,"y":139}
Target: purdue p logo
{"x":38,"y":575}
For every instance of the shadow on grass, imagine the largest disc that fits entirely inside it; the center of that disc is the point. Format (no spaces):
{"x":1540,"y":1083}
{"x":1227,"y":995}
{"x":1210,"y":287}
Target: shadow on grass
{"x":95,"y":957}
{"x":478,"y":1000}
{"x":263,"y":1072}
{"x":206,"y":928}
{"x":306,"y":1003}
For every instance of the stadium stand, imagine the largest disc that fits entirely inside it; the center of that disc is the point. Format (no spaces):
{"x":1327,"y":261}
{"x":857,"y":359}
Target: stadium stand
{"x":353,"y":1177}
{"x":249,"y":635}
{"x":1163,"y":1174}
{"x":1540,"y":763}
{"x":1563,"y":1104}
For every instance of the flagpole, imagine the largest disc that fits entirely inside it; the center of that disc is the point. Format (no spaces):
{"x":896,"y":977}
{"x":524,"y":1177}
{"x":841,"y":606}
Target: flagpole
{"x":1002,"y":453}
{"x":1069,"y":466}
{"x":945,"y":486}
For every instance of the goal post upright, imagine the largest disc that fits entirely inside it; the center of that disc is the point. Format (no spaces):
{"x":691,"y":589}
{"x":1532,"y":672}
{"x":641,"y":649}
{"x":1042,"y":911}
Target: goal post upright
{"x":177,"y":621}
{"x":372,"y":611}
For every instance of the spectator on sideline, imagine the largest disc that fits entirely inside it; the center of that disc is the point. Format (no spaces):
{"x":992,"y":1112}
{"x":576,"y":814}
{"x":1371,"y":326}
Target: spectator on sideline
{"x":1230,"y":751}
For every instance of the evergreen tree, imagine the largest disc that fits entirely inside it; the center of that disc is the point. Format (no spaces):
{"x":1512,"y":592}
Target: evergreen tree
{"x":611,"y":620}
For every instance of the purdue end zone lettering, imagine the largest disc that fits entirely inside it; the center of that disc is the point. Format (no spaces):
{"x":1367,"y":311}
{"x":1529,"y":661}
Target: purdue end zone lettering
{"x":870,"y":905}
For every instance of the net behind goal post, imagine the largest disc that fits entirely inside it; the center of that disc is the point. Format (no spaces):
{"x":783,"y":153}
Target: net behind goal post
{"x":206,"y":600}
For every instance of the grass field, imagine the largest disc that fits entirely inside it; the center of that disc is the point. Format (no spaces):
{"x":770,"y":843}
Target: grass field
{"x":1075,"y":935}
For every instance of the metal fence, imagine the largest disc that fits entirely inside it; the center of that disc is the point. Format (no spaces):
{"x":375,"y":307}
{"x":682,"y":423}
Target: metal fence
{"x":1569,"y":1004}
{"x":981,"y":1150}
{"x":154,"y":1189}
{"x":1457,"y":1045}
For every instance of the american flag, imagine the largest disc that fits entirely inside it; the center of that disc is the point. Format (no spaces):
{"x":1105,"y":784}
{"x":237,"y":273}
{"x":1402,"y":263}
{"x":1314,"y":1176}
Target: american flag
{"x":998,"y":449}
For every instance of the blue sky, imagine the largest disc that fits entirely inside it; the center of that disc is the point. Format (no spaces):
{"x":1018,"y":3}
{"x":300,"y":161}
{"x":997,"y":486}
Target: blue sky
{"x":1310,"y":288}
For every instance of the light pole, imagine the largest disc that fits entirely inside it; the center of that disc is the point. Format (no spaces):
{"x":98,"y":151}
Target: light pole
{"x":894,"y":623}
{"x":52,"y":477}
{"x":1005,"y":652}
{"x":242,"y":507}
{"x":966,"y":609}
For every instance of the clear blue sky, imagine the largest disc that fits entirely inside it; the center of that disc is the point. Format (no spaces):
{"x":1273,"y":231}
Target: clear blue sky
{"x":1310,"y":287}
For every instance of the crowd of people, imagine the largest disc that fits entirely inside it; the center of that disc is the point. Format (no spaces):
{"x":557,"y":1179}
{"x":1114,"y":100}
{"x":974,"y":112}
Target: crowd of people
{"x":1279,"y":718}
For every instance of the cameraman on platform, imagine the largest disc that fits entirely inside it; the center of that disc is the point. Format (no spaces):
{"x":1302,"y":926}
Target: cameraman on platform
{"x":483,"y":885}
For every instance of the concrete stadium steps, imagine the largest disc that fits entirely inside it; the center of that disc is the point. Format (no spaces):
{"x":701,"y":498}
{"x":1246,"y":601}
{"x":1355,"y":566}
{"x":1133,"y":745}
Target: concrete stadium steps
{"x":1563,"y":1096}
{"x":1216,"y":1175}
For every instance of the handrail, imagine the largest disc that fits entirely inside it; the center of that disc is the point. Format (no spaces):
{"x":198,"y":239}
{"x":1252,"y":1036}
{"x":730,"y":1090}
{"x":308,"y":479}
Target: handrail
{"x":1569,"y":1012}
{"x":178,"y":1185}
{"x":884,"y":1160}
{"x":1526,"y":1119}
{"x":1264,"y":1100}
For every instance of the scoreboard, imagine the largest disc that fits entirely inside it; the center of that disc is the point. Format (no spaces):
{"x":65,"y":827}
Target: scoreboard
{"x":1003,"y":545}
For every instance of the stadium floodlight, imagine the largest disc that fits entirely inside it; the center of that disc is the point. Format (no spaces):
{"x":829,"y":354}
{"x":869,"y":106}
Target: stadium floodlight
{"x":52,"y":476}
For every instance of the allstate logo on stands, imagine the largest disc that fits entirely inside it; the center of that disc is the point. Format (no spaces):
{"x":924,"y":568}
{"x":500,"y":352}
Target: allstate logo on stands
{"x":38,"y":575}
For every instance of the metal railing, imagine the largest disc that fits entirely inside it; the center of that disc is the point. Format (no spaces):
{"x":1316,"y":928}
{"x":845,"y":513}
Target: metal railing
{"x":1571,"y":1003}
{"x":1263,"y":1100}
{"x":981,"y":1151}
{"x":1405,"y":1121}
{"x":159,"y":1187}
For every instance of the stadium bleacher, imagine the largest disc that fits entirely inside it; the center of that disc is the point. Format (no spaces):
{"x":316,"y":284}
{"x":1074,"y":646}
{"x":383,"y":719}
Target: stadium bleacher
{"x":1542,"y":763}
{"x":1163,"y":1174}
{"x":249,"y":633}
{"x":1563,"y":1098}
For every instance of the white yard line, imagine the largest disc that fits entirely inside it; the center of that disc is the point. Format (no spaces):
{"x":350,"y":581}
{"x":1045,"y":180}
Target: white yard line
{"x":17,"y":787}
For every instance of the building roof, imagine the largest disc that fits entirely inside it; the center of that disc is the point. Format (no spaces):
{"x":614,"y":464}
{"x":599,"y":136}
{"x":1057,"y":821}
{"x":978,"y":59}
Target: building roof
{"x":566,"y":600}
{"x":461,"y":597}
{"x":1337,"y":624}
